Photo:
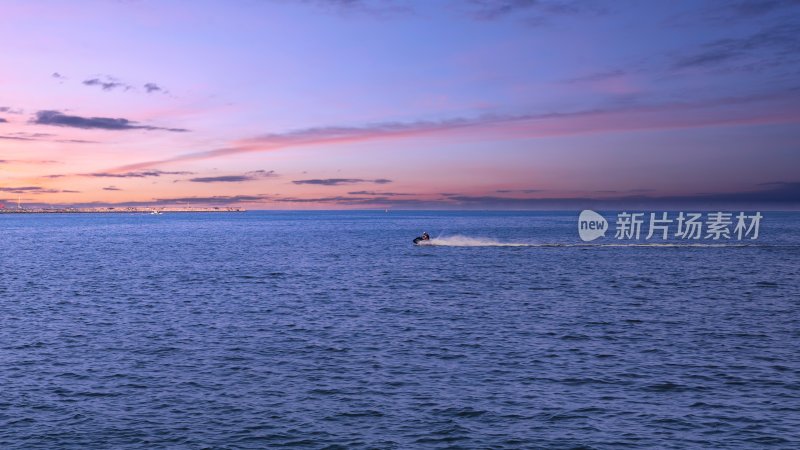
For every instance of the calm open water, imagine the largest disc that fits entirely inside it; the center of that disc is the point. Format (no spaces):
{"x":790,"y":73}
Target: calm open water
{"x":330,"y":330}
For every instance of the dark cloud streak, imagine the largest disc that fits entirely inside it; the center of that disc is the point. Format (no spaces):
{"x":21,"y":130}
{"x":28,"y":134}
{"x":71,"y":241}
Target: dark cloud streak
{"x":249,"y":176}
{"x":523,"y":191}
{"x":340,"y":181}
{"x":533,"y":12}
{"x":152,"y":87}
{"x":378,"y":194}
{"x":222,"y":179}
{"x":375,"y":8}
{"x":781,"y":41}
{"x":141,"y":174}
{"x":10,"y":110}
{"x":29,"y":190}
{"x":57,"y":118}
{"x":109,"y":85}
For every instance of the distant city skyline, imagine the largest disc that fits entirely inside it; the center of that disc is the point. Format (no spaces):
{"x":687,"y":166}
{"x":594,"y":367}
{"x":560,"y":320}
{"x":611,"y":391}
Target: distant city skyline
{"x":327,"y":104}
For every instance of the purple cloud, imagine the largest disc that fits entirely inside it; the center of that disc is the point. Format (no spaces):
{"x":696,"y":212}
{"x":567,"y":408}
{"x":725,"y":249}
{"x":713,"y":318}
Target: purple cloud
{"x":340,"y":181}
{"x":57,"y":118}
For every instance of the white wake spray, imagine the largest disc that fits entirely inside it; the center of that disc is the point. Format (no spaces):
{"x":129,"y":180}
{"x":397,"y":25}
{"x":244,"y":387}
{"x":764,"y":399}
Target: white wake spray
{"x":467,"y":241}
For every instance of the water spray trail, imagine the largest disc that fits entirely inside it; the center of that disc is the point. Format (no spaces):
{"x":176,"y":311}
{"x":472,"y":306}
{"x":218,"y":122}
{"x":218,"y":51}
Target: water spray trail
{"x":467,"y":241}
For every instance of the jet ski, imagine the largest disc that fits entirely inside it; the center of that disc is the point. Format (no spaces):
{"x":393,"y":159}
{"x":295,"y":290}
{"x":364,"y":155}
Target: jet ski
{"x":421,"y":240}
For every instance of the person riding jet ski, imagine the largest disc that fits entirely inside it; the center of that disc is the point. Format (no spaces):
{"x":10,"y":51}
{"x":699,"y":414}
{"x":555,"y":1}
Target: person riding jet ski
{"x":425,"y":237}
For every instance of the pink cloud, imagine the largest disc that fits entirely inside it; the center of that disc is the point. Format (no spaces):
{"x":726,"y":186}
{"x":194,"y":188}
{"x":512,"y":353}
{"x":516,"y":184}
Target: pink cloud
{"x":718,"y":112}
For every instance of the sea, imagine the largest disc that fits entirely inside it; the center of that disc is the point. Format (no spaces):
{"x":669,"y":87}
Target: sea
{"x":331,"y":330}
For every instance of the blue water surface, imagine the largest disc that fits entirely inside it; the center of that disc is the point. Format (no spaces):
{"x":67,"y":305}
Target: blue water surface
{"x":330,"y":330}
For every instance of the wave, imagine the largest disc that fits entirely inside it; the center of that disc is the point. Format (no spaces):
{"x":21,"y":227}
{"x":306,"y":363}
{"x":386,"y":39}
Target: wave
{"x":467,"y":241}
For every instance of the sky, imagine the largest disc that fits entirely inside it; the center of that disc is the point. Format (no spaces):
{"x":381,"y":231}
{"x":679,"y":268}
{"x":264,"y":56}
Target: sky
{"x":436,"y":104}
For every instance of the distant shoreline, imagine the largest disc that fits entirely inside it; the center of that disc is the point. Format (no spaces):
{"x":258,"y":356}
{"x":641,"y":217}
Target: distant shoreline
{"x":129,"y":210}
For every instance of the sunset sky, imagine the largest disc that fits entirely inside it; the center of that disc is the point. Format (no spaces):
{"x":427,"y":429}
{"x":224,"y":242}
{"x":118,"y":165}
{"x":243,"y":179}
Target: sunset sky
{"x":471,"y":104}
